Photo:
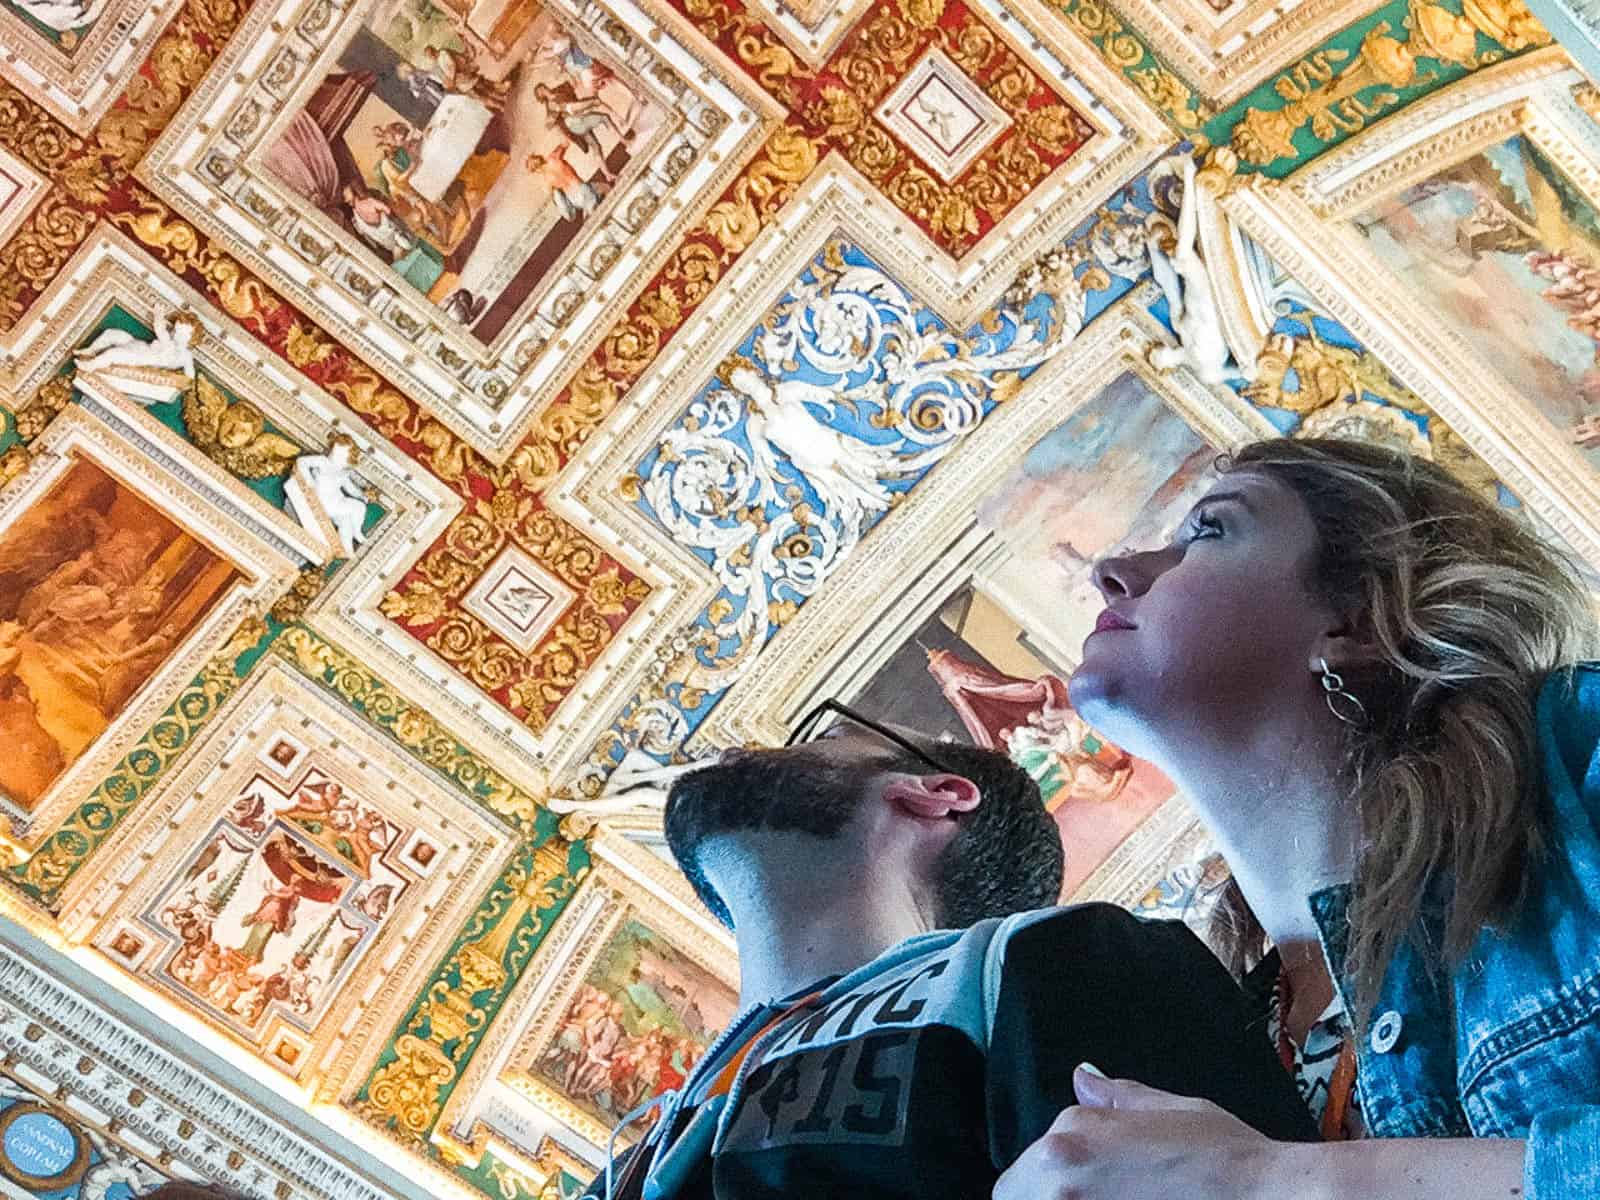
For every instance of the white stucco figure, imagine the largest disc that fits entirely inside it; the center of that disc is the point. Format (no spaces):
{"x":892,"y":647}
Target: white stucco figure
{"x":116,"y":1166}
{"x":327,"y":496}
{"x":151,"y":371}
{"x":638,"y":782}
{"x":846,"y":472}
{"x":63,"y":16}
{"x":1191,"y":303}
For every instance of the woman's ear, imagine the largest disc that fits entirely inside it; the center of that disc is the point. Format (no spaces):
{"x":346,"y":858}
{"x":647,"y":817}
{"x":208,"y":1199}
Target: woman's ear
{"x":1348,"y":644}
{"x":932,"y":797}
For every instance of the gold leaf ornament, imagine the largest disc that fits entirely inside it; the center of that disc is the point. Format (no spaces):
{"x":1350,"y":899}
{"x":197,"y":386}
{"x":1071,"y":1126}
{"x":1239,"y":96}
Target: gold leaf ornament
{"x":233,"y":434}
{"x":406,"y":1091}
{"x":924,"y":14}
{"x":1509,"y":22}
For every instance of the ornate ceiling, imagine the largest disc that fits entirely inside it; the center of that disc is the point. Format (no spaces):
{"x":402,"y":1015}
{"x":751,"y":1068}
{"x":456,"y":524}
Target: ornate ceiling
{"x":429,"y":423}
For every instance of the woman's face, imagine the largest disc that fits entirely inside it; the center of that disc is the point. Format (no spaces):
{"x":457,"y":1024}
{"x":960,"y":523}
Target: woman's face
{"x":1213,"y":630}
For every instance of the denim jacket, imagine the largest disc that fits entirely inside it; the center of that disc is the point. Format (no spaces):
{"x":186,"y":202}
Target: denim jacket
{"x":1508,"y":1045}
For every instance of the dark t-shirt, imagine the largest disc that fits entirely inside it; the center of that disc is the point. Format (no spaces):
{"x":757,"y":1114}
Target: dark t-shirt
{"x":926,"y":1076}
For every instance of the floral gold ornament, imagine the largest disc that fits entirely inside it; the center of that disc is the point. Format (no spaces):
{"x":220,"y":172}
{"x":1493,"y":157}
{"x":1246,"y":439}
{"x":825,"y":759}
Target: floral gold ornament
{"x":407,"y":1090}
{"x":1124,"y":49}
{"x":838,"y":109}
{"x":411,"y":727}
{"x":1340,"y":89}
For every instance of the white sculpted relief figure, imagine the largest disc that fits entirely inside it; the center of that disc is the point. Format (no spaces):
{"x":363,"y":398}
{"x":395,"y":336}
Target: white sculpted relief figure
{"x":846,"y":472}
{"x":1186,"y":282}
{"x":639,"y":782}
{"x":116,"y":1165}
{"x":328,"y":498}
{"x":64,"y":16}
{"x":153,"y":371}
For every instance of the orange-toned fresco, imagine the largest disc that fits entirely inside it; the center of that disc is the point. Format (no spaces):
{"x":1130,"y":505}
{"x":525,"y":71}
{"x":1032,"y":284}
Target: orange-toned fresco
{"x":97,"y":588}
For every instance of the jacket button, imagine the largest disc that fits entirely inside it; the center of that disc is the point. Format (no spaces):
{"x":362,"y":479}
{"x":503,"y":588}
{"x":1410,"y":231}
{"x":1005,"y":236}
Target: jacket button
{"x":1385,"y":1032}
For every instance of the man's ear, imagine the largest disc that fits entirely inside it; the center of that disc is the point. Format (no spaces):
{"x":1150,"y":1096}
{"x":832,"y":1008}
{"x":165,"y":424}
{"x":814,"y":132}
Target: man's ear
{"x":932,"y":797}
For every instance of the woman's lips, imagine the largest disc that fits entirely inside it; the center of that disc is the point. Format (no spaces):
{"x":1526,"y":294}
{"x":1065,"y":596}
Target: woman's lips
{"x":1111,"y":620}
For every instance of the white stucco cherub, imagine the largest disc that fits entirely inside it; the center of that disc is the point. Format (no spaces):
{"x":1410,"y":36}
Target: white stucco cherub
{"x":1186,"y":282}
{"x":156,"y":370}
{"x":326,"y":487}
{"x":171,"y":349}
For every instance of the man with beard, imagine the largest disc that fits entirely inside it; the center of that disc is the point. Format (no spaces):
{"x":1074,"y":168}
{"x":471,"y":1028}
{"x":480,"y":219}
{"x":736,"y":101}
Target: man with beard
{"x":911,"y":1012}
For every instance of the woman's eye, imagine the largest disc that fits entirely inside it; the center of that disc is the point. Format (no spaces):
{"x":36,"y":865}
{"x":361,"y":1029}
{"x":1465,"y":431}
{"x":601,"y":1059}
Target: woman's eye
{"x":1204,"y":525}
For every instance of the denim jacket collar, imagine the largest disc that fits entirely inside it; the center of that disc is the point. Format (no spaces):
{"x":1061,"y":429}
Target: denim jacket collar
{"x":1406,"y":1066}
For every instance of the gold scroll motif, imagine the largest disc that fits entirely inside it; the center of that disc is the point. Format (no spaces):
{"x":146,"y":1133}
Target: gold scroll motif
{"x":1335,"y":96}
{"x":408,"y":1092}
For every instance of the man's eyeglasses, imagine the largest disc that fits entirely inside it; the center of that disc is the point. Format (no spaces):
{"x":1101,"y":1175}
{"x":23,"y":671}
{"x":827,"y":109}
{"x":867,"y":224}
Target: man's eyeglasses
{"x":811,"y":726}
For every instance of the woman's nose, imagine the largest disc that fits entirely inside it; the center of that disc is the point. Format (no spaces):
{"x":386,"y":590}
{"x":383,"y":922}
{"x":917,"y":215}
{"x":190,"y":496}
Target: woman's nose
{"x":1120,"y":576}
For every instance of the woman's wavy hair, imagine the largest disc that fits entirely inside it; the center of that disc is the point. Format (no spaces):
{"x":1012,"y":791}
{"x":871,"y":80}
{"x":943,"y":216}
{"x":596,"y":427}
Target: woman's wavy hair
{"x":1471,"y":611}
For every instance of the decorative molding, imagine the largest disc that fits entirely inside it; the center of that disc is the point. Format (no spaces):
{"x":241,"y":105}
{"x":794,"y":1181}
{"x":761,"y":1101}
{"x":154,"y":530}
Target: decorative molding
{"x":209,"y":166}
{"x":626,"y":879}
{"x":173,"y":1112}
{"x":1453,"y":377}
{"x":1449,"y":126}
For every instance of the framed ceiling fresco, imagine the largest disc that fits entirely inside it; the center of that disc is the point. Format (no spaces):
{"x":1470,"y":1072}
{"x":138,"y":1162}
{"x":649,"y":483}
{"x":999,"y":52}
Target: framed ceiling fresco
{"x":1447,"y":242}
{"x":412,"y":413}
{"x":616,"y":1011}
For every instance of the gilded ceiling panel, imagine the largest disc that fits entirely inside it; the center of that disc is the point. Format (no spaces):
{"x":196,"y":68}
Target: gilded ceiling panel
{"x":427,"y":427}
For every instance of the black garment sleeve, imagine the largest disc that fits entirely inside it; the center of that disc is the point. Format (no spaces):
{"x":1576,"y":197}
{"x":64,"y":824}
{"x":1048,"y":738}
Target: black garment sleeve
{"x":629,"y":1185}
{"x":1143,"y":1000}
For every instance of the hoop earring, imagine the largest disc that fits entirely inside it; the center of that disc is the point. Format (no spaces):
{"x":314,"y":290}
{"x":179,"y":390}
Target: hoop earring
{"x":1342,"y":703}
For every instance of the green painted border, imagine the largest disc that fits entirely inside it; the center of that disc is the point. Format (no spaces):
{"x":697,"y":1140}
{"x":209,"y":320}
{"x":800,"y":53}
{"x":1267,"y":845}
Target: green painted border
{"x":1191,"y":118}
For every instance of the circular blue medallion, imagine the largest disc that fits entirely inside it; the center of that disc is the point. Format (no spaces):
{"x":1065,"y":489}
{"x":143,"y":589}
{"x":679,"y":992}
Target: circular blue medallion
{"x":39,"y":1144}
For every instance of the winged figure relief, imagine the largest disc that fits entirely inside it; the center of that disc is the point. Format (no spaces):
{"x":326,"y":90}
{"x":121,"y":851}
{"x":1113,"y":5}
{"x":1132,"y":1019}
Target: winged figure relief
{"x":233,"y":434}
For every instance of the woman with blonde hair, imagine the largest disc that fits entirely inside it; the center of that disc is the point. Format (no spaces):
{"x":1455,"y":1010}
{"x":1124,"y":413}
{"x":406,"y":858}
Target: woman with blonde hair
{"x":1365,"y":677}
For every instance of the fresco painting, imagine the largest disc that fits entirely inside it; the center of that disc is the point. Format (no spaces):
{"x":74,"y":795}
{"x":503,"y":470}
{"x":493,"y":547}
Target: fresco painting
{"x":97,"y":588}
{"x":1507,"y":250}
{"x":1120,"y":473}
{"x":279,"y":904}
{"x":971,"y":674}
{"x":465,"y":144}
{"x":638,"y":1023}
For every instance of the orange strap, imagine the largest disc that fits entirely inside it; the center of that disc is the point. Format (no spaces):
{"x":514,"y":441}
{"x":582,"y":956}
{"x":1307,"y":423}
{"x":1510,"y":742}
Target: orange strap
{"x":1340,"y":1087}
{"x":1341,"y":1084}
{"x":724,"y":1080}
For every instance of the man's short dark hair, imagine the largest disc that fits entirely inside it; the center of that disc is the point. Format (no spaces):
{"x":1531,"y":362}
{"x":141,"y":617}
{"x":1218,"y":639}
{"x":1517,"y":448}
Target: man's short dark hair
{"x":182,"y":1189}
{"x":1007,"y":857}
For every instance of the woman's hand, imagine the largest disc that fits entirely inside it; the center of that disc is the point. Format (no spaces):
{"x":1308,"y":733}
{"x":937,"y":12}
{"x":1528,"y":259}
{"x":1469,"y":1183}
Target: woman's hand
{"x":1126,"y":1141}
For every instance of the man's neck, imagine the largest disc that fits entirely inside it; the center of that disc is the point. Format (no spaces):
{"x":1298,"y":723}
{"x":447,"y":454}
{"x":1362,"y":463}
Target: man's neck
{"x":798,"y":920}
